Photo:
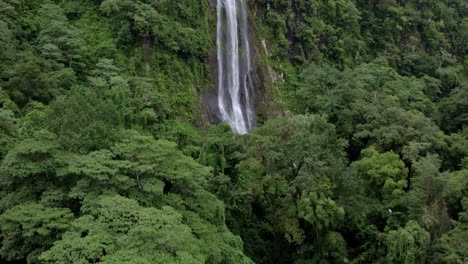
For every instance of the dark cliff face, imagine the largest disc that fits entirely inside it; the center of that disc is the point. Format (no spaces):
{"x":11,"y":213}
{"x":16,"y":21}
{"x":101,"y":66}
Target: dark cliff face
{"x":264,"y":103}
{"x":209,"y":96}
{"x":212,"y":3}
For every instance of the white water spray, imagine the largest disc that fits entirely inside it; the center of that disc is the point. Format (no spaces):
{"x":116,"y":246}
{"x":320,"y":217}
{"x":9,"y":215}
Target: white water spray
{"x":235,"y":85}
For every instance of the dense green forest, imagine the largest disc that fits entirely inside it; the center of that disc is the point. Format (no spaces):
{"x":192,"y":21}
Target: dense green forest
{"x":106,"y":155}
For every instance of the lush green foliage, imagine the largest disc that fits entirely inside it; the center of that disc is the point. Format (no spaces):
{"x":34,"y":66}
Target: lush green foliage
{"x":100,"y":161}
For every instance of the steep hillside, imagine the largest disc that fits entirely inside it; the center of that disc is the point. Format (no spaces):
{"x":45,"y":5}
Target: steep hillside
{"x":112,"y":149}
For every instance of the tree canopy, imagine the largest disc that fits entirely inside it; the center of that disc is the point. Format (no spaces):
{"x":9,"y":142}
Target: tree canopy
{"x":359,"y":154}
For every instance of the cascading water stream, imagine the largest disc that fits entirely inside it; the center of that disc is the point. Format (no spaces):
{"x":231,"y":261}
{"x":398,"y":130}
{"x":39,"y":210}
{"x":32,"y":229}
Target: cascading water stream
{"x":235,"y":85}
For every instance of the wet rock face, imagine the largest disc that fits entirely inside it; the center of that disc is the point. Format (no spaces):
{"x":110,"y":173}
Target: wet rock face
{"x":212,"y":3}
{"x":209,"y":96}
{"x":209,"y":101}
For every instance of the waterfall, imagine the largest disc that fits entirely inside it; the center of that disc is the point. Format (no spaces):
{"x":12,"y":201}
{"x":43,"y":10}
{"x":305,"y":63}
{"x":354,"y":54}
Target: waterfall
{"x":235,"y":85}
